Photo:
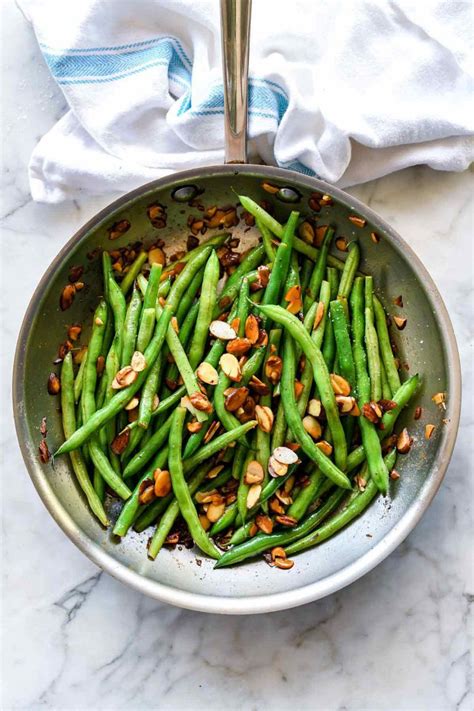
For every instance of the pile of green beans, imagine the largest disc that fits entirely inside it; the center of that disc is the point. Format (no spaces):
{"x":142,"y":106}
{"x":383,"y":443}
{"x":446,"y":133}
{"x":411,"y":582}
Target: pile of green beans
{"x":248,"y":414}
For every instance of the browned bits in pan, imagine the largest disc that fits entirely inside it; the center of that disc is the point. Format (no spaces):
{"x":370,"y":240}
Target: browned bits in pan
{"x":75,"y":273}
{"x":157,"y":215}
{"x":54,"y":384}
{"x":357,"y":221}
{"x":418,"y":413}
{"x":400,"y":322}
{"x":44,"y":451}
{"x":404,"y":442}
{"x":374,"y":237}
{"x":118,"y":229}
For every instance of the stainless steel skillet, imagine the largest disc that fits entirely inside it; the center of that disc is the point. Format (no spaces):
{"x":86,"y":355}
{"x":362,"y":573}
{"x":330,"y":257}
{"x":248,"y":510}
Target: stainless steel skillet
{"x":427,"y":345}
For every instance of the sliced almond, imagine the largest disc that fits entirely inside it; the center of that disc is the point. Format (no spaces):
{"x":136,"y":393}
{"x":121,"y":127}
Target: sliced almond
{"x":374,"y":237}
{"x":312,"y":426}
{"x":174,"y":324}
{"x":345,"y":403}
{"x":299,"y":387}
{"x":275,"y":506}
{"x":67,"y":296}
{"x":273,"y":369}
{"x":341,"y":244}
{"x":207,"y":374}
{"x":370,"y":413}
{"x":204,"y":521}
{"x":147,"y":495}
{"x":222,"y":330}
{"x":125,"y":377}
{"x":235,"y":399}
{"x":357,"y":221}
{"x":157,"y":256}
{"x":254,"y":473}
{"x":284,"y":563}
{"x":429,"y":429}
{"x":264,"y":523}
{"x":285,"y":520}
{"x":418,"y":413}
{"x":285,"y":455}
{"x":74,"y":332}
{"x":394,"y":475}
{"x":306,"y":232}
{"x":239,"y":346}
{"x":235,"y":324}
{"x":212,"y":473}
{"x":340,"y":385}
{"x":400,"y":322}
{"x":404,"y":442}
{"x":264,"y":417}
{"x":213,"y":429}
{"x":230,"y":367}
{"x":360,"y":482}
{"x":138,"y":362}
{"x":314,"y":407}
{"x":295,"y":306}
{"x":214,"y":512}
{"x":294,"y":292}
{"x":200,"y":402}
{"x":278,"y":552}
{"x":276,"y":469}
{"x":162,"y":482}
{"x":269,"y":188}
{"x":319,"y":315}
{"x":440,"y":400}
{"x":284,"y":497}
{"x":54,"y":384}
{"x":120,"y":442}
{"x":325,"y":447}
{"x":253,"y":495}
{"x":251,"y":328}
{"x":259,"y":386}
{"x":132,"y":404}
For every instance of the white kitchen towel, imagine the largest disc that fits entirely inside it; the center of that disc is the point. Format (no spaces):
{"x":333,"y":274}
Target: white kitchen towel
{"x":345,"y":90}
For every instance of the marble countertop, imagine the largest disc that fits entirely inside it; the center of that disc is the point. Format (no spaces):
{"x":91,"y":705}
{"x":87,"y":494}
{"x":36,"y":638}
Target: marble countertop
{"x":75,"y":638}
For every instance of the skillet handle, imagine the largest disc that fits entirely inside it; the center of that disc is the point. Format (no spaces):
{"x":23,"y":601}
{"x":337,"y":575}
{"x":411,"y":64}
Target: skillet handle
{"x":235,"y":33}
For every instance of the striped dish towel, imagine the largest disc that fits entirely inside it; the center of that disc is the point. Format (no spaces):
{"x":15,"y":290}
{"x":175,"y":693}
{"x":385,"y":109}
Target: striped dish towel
{"x":344,"y":91}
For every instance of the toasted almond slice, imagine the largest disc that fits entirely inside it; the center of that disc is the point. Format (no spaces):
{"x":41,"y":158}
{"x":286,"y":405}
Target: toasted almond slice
{"x":306,"y":232}
{"x":404,"y":442}
{"x":273,"y":368}
{"x":254,"y":473}
{"x":235,"y":399}
{"x":238,"y":346}
{"x":429,"y":429}
{"x":400,"y":322}
{"x":312,"y":426}
{"x":200,"y":402}
{"x":341,"y":244}
{"x":157,"y":256}
{"x":284,"y":497}
{"x":299,"y":387}
{"x":374,"y":237}
{"x":284,"y":563}
{"x":314,"y":407}
{"x":174,"y":324}
{"x":269,"y":188}
{"x":360,"y":482}
{"x":293,"y":293}
{"x":251,"y":328}
{"x":204,"y":521}
{"x":357,"y":221}
{"x":230,"y":367}
{"x":340,"y":384}
{"x":345,"y":403}
{"x":285,"y":455}
{"x":207,"y":374}
{"x":54,"y":384}
{"x":278,"y":552}
{"x":418,"y":413}
{"x":295,"y":306}
{"x":276,"y":469}
{"x":285,"y":520}
{"x":253,"y":495}
{"x":205,"y":497}
{"x":319,"y":315}
{"x":440,"y":399}
{"x":394,"y":475}
{"x":125,"y":377}
{"x":132,"y":404}
{"x":194,"y":426}
{"x":119,"y":444}
{"x":222,"y":330}
{"x":138,"y":362}
{"x":212,"y":473}
{"x":162,"y":482}
{"x":264,"y":523}
{"x":264,"y":417}
{"x":214,"y":512}
{"x":325,"y":447}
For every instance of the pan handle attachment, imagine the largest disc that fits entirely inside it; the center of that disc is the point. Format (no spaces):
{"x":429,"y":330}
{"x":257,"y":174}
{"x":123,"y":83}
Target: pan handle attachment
{"x":235,"y":32}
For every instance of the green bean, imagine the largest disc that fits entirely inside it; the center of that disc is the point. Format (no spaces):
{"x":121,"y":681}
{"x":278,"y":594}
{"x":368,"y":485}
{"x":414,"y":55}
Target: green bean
{"x":169,"y":517}
{"x":216,"y":444}
{"x":134,"y":270}
{"x":274,"y":226}
{"x":184,"y":334}
{"x":385,"y":346}
{"x":354,"y":508}
{"x":343,"y":342}
{"x":370,"y":440}
{"x":207,"y":302}
{"x":191,"y":293}
{"x":279,"y":427}
{"x":319,"y":270}
{"x":267,"y":240}
{"x":181,"y":490}
{"x":241,"y":534}
{"x":252,"y":260}
{"x":79,"y":377}
{"x":69,"y":426}
{"x":372,"y":344}
{"x":321,"y":376}
{"x":294,"y":419}
{"x":328,"y":348}
{"x":263,"y":438}
{"x":164,"y":288}
{"x":281,"y":264}
{"x":151,"y":294}
{"x":119,"y":309}
{"x":98,"y":484}
{"x":306,"y":495}
{"x":142,"y":283}
{"x":150,"y":387}
{"x":386,"y":389}
{"x":263,"y":541}
{"x":306,"y":272}
{"x":185,"y":370}
{"x":148,"y":450}
{"x":243,"y":490}
{"x":102,"y":416}
{"x":88,"y":403}
{"x":146,"y":328}
{"x":132,"y":319}
{"x":238,"y":461}
{"x":351,"y":266}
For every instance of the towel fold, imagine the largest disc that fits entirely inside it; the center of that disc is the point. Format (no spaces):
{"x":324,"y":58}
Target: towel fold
{"x":346,"y":91}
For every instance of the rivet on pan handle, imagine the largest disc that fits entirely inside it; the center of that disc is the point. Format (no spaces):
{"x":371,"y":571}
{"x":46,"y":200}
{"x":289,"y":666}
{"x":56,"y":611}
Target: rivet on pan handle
{"x":235,"y":32}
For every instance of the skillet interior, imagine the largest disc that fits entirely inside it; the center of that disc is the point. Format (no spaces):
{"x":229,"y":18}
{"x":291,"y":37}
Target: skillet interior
{"x":427,"y":344}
